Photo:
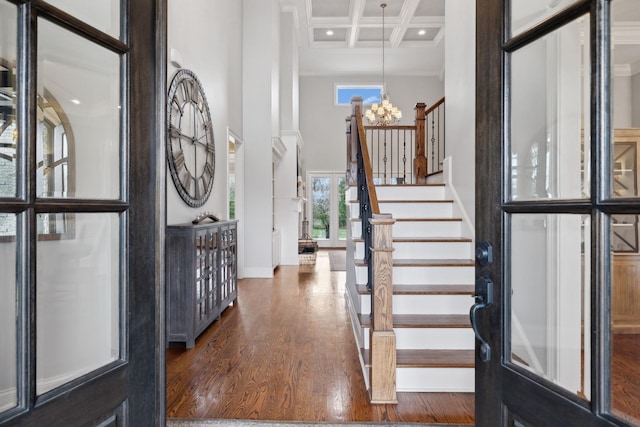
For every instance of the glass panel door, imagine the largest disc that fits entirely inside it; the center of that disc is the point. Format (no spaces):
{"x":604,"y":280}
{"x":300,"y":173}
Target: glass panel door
{"x":328,"y":209}
{"x":557,"y":203}
{"x":81,"y":236}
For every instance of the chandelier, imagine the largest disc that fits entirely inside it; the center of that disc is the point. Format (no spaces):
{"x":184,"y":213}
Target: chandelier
{"x":385,"y":113}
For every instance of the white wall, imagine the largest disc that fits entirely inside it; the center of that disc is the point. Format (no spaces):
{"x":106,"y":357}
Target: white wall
{"x":260,"y":76}
{"x":208,"y":36}
{"x":322,"y":123}
{"x":289,"y":72}
{"x":460,"y":92}
{"x":635,"y":101}
{"x":622,"y":97}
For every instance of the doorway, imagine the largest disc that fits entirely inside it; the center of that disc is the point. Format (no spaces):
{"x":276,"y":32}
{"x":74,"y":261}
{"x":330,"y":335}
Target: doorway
{"x":327,"y":208}
{"x":235,"y":189}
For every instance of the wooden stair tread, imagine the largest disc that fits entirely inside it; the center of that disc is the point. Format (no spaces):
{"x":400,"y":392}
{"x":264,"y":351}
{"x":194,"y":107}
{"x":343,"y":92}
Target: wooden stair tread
{"x":426,"y":289}
{"x":415,"y":201}
{"x":423,"y":321}
{"x":431,"y":184}
{"x":425,"y":239}
{"x":425,"y":263}
{"x":435,"y":184}
{"x":408,"y":201}
{"x":433,"y":239}
{"x":434,"y":263}
{"x":419,"y":219}
{"x":429,"y":358}
{"x":428,"y":219}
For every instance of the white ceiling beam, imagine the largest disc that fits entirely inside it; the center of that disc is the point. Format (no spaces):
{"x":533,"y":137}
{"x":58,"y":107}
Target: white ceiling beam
{"x":406,"y":13}
{"x":357,"y":10}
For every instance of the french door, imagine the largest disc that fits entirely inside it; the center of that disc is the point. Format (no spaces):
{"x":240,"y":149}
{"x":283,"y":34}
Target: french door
{"x":556,"y":215}
{"x":81,"y":212}
{"x":327,"y":208}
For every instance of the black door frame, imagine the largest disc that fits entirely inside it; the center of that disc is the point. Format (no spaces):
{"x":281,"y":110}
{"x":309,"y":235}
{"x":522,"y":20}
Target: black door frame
{"x":130,"y":391}
{"x":499,"y":386}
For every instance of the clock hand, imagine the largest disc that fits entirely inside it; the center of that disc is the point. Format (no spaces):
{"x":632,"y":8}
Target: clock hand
{"x":197,"y":141}
{"x":177,"y":133}
{"x":194,"y":140}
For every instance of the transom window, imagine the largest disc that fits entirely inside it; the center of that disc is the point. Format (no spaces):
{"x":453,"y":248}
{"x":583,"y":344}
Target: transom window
{"x":370,"y":93}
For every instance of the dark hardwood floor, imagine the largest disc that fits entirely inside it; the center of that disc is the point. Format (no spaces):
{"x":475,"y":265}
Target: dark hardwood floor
{"x":286,"y":352}
{"x":625,"y":377}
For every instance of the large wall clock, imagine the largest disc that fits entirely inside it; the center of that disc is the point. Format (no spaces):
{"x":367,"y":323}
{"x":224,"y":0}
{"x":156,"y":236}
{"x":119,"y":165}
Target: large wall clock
{"x":190,"y":144}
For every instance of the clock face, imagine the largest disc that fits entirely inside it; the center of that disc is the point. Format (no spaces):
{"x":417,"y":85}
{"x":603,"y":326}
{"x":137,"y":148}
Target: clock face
{"x":190,"y":144}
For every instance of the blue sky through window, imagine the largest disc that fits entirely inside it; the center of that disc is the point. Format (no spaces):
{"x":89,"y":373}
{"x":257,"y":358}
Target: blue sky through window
{"x":369,"y":94}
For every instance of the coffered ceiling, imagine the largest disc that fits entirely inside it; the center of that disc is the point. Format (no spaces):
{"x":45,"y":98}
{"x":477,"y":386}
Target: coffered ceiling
{"x":358,"y":23}
{"x":344,"y":37}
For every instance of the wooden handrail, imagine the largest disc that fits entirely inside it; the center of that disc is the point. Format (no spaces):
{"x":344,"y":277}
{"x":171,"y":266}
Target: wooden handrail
{"x":391,"y":127}
{"x":434,"y":106}
{"x":368,"y":171}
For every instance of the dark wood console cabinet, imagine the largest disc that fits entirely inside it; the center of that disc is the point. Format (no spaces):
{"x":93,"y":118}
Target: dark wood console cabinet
{"x":201,"y":277}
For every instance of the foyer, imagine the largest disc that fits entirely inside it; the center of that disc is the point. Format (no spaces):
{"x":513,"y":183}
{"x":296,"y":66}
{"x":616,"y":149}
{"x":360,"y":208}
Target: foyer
{"x":286,"y":352}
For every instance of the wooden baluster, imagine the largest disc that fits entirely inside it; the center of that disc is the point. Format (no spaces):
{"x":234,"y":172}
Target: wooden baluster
{"x":420,"y":162}
{"x":382,"y":336}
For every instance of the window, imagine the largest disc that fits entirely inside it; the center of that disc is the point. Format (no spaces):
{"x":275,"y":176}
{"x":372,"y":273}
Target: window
{"x":369,"y":93}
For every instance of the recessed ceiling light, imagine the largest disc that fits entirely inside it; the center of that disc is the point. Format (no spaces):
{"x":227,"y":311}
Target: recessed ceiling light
{"x":76,"y":101}
{"x":329,"y":32}
{"x":422,"y":32}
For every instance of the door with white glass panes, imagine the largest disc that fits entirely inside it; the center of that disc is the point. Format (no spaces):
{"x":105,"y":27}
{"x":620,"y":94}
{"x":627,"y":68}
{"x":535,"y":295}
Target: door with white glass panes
{"x":79,"y":320}
{"x":557,"y":205}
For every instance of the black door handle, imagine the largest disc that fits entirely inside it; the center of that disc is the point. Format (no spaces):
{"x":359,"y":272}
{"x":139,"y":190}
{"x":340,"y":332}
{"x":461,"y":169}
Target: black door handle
{"x":484,"y":298}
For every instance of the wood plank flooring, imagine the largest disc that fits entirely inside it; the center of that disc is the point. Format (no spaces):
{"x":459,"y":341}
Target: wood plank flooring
{"x":286,"y":352}
{"x":625,"y":377}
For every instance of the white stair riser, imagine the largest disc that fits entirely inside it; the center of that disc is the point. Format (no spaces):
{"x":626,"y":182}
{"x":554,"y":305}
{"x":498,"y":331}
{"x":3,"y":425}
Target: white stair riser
{"x":351,"y":193}
{"x":435,"y":192}
{"x":431,"y":338}
{"x":354,"y":210}
{"x":424,"y":304}
{"x":418,"y":210}
{"x":424,"y":275}
{"x":451,"y":380}
{"x":410,"y":209}
{"x":356,"y":229}
{"x":416,"y":229}
{"x":424,"y":250}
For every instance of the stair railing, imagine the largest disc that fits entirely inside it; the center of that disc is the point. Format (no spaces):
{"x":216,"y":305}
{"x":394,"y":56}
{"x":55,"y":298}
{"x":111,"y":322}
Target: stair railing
{"x":392,"y":151}
{"x":378,"y":248}
{"x":408,"y":154}
{"x":435,"y":137}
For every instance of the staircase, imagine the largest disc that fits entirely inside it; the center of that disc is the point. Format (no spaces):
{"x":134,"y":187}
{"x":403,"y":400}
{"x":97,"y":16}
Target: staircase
{"x":433,"y":281}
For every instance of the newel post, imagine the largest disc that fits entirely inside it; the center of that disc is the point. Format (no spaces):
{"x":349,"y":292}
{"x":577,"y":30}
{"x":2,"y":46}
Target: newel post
{"x":382,"y":337}
{"x":420,"y":162}
{"x":352,"y":141}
